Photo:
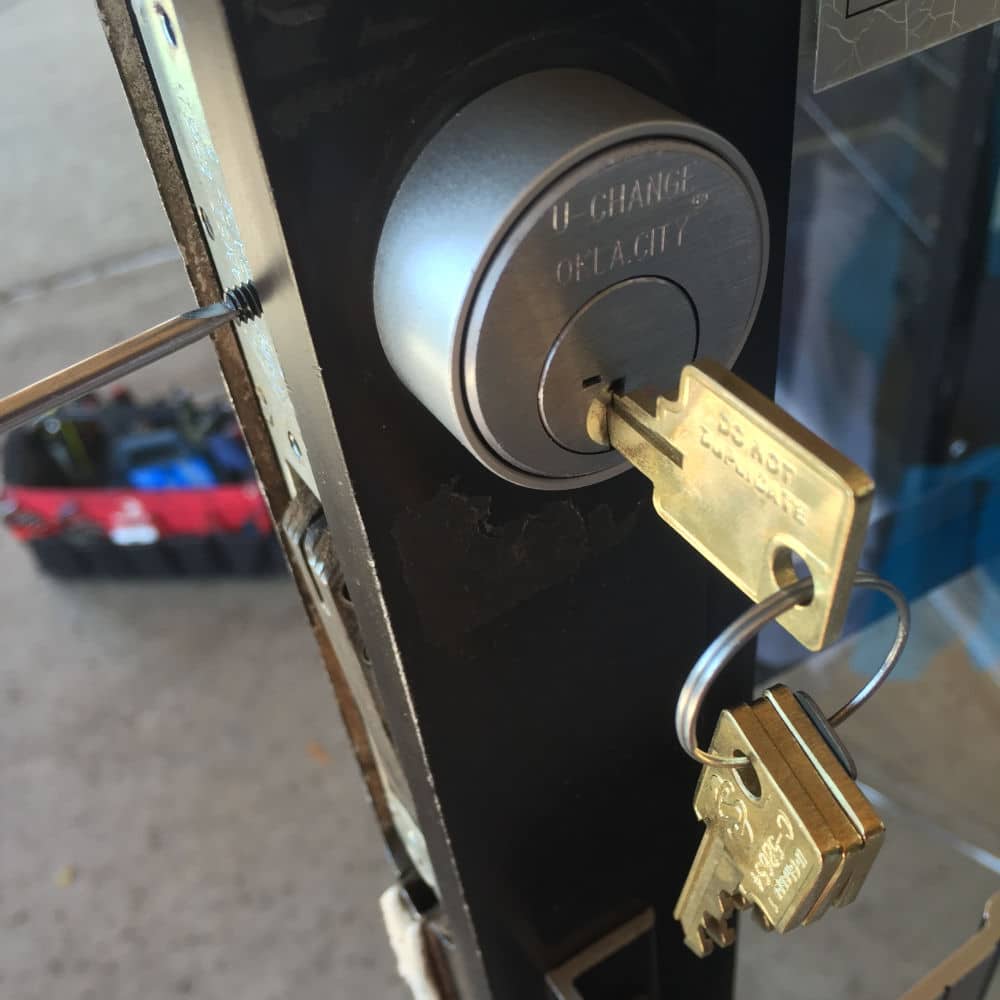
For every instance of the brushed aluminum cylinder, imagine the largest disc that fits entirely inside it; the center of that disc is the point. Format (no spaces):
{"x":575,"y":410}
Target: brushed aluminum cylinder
{"x":517,"y":218}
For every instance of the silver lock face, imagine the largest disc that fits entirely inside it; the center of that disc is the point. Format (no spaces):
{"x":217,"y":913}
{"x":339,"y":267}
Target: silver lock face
{"x":562,"y":233}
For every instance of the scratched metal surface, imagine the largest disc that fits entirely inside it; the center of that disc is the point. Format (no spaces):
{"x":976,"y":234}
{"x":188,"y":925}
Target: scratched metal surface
{"x":856,"y":36}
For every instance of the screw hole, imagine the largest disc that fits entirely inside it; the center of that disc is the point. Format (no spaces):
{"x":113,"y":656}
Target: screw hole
{"x":788,"y":567}
{"x":345,"y":594}
{"x":206,"y":222}
{"x":747,"y":776}
{"x":294,"y":445}
{"x":593,"y":380}
{"x":167,"y":25}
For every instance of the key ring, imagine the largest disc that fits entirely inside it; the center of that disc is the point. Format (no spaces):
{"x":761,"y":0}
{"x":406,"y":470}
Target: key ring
{"x":717,"y":656}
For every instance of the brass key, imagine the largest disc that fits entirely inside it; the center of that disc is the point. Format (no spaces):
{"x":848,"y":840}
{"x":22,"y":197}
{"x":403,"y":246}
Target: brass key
{"x":821,"y":763}
{"x":747,"y":486}
{"x":766,"y":845}
{"x":789,"y":833}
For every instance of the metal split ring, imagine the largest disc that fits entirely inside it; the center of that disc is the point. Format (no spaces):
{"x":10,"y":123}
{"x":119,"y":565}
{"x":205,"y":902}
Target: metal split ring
{"x":715,"y":658}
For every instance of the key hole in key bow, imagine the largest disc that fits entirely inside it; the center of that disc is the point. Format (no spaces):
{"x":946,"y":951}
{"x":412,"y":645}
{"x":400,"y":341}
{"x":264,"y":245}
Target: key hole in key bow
{"x":615,"y":385}
{"x":789,"y":567}
{"x":747,"y":776}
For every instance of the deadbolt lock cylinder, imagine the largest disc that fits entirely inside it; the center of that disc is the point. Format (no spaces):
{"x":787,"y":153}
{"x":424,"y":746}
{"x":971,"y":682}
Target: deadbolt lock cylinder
{"x":561,"y":233}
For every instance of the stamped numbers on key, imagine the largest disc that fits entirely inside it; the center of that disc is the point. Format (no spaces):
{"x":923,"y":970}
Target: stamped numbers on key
{"x":747,"y":486}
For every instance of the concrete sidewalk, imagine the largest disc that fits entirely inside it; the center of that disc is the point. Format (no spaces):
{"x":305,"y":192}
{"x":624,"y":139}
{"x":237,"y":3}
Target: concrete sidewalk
{"x":181,"y":811}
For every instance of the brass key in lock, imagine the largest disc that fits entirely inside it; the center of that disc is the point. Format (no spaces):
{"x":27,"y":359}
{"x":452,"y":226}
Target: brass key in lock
{"x":747,"y":486}
{"x":788,"y":833}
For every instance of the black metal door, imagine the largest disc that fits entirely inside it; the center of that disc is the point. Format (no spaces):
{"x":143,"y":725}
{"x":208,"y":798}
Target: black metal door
{"x":527,"y":647}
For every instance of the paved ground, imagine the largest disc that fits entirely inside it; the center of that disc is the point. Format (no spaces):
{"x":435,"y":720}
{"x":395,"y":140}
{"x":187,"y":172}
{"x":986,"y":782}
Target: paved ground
{"x":180,"y":814}
{"x":179,"y":811}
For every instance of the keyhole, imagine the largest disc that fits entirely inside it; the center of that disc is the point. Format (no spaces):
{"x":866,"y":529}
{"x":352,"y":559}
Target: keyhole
{"x":746,"y":775}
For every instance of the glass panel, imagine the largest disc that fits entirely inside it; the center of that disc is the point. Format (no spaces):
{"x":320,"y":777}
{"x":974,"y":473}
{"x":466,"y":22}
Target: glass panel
{"x":890,"y":349}
{"x":891,"y":293}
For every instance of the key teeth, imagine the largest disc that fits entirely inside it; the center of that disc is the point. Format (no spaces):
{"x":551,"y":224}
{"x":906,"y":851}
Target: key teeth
{"x":716,"y":931}
{"x":715,"y":928}
{"x":733,"y":901}
{"x":707,"y":944}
